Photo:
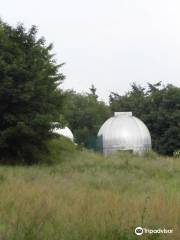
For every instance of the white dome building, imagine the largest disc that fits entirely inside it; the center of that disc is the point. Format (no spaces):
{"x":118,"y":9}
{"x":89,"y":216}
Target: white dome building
{"x":66,"y":132}
{"x":124,"y":132}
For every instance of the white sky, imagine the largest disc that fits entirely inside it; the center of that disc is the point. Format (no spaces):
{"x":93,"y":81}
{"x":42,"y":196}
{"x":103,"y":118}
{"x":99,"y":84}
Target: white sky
{"x":109,"y":43}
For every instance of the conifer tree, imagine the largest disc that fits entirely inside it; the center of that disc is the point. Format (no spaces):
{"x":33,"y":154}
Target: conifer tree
{"x":29,"y":95}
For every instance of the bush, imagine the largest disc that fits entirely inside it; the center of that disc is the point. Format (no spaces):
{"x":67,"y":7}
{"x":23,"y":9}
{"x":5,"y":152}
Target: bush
{"x":59,"y":148}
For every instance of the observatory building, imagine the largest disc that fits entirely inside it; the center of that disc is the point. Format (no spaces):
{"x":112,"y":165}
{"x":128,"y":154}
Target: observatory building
{"x":125,"y":132}
{"x":66,"y":132}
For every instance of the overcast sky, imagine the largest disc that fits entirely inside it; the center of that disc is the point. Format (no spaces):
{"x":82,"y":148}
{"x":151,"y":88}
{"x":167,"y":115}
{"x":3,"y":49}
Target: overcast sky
{"x":110,"y":43}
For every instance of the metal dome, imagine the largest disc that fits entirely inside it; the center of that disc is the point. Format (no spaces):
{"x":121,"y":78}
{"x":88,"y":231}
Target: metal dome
{"x":66,"y":132}
{"x":124,"y":132}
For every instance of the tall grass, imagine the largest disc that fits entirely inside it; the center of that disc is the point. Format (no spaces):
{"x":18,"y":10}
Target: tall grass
{"x":89,"y":197}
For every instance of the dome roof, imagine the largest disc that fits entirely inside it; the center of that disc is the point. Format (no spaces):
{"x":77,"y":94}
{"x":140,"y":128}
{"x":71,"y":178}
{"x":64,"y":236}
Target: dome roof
{"x":124,"y":132}
{"x":66,"y":132}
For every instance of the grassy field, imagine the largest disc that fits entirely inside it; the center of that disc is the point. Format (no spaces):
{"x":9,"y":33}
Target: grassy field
{"x":88,"y":197}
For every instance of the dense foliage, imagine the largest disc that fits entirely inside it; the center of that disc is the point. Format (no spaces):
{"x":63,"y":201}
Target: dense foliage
{"x":85,"y":114}
{"x":159,"y":107}
{"x":29,"y":97}
{"x":30,"y":100}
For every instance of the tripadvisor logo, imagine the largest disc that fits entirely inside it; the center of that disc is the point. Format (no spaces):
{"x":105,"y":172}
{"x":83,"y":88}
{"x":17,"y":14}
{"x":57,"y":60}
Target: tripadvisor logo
{"x":140,"y":231}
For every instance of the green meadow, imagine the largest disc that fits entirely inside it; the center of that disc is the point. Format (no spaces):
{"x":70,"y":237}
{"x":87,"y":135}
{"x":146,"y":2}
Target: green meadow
{"x":85,"y":196}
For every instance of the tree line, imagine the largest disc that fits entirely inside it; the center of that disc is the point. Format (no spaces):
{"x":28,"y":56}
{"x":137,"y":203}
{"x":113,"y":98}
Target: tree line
{"x":31,"y":99}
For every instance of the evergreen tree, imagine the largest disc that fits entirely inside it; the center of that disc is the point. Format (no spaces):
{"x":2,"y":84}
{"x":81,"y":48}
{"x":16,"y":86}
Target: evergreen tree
{"x":93,"y":92}
{"x":29,"y":95}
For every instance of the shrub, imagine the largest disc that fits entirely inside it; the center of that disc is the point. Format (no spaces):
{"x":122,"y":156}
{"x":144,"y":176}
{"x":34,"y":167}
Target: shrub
{"x":59,"y":148}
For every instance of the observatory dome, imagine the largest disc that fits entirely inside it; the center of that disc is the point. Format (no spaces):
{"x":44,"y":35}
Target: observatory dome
{"x":124,"y":132}
{"x":66,"y":132}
